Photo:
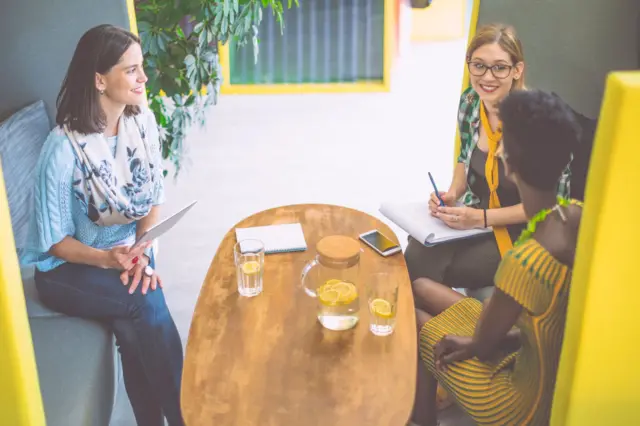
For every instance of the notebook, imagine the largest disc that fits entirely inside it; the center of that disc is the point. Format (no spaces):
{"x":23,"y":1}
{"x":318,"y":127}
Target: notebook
{"x":281,"y":238}
{"x":416,"y":220}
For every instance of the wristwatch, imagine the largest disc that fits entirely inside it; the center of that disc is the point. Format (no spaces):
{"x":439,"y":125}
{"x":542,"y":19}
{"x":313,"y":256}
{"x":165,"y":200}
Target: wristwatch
{"x":148,"y":271}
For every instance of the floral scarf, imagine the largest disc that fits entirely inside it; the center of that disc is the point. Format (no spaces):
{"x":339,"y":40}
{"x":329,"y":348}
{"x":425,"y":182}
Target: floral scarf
{"x":113,"y":190}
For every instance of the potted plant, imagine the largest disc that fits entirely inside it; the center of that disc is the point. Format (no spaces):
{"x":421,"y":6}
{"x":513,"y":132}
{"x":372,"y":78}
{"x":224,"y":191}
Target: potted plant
{"x":180,"y":40}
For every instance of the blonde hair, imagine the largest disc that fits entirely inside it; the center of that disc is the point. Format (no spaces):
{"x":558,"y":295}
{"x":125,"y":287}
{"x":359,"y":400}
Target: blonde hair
{"x":505,"y":36}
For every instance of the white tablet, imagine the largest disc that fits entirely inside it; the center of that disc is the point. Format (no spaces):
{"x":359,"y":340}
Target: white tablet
{"x":163,"y":226}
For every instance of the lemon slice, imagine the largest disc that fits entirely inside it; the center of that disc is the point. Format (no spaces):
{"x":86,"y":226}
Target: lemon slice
{"x":251,"y":267}
{"x":328,"y":296}
{"x":331,"y":283}
{"x":381,"y":308}
{"x":347,"y":291}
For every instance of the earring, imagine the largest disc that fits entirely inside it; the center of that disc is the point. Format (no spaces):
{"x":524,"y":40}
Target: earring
{"x":516,"y":77}
{"x":102,"y":92}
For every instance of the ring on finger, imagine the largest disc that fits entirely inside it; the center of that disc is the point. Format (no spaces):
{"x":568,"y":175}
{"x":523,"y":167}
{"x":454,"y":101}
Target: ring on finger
{"x":148,"y":271}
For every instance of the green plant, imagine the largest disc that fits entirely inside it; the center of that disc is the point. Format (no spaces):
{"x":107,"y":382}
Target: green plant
{"x":180,"y":40}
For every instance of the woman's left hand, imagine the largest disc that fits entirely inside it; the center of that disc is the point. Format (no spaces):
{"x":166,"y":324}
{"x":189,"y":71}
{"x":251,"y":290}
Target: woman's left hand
{"x":451,"y":349}
{"x":136,"y":276}
{"x":461,"y":217}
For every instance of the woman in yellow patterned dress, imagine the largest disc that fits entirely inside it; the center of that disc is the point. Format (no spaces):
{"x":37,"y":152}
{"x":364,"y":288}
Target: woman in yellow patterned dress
{"x":499,"y":361}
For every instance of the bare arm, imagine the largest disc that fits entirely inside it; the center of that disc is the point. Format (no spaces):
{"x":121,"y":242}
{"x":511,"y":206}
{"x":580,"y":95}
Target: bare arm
{"x":73,"y":251}
{"x":506,"y":216}
{"x":495,"y":217}
{"x":511,"y":342}
{"x":495,"y":325}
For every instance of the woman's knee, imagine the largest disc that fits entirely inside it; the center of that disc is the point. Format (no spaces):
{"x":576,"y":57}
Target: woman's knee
{"x":151,"y":308}
{"x":421,"y":288}
{"x":433,"y":297}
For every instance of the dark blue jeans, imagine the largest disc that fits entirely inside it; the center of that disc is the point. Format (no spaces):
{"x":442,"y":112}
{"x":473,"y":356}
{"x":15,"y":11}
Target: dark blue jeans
{"x":147,"y":338}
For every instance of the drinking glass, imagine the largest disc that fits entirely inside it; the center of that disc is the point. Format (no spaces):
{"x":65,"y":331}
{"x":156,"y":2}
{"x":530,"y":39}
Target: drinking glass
{"x":382,"y":293}
{"x":249,"y":258}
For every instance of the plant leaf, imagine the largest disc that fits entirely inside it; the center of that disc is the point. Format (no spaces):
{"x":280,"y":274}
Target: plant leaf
{"x":179,"y":42}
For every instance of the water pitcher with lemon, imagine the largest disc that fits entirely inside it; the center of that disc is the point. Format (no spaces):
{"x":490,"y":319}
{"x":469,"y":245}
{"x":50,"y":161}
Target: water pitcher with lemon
{"x":332,"y":277}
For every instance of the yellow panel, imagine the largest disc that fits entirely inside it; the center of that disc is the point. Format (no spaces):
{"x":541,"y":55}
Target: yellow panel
{"x":225,"y":64}
{"x":389,"y":46}
{"x":465,"y":76}
{"x":599,"y":376}
{"x":20,"y":400}
{"x":443,"y":20}
{"x":389,"y":41}
{"x":131,"y":11}
{"x":282,"y":89}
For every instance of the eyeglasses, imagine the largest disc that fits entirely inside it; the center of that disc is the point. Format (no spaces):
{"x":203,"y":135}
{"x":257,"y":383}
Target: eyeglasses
{"x":479,"y":69}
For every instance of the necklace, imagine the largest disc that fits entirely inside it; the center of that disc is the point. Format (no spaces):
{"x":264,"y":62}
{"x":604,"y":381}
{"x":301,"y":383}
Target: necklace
{"x":542,"y":215}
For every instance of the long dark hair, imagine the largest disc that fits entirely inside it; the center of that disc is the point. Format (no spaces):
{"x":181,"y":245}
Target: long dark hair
{"x":98,"y":50}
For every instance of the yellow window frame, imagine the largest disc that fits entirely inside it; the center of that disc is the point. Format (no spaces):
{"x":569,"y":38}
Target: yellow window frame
{"x":384,"y":85}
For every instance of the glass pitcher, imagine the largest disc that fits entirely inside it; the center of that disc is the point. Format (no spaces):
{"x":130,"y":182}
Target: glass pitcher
{"x":332,"y":277}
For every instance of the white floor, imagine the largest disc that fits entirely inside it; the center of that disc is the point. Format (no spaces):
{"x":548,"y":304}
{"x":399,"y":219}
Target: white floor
{"x":354,"y":150}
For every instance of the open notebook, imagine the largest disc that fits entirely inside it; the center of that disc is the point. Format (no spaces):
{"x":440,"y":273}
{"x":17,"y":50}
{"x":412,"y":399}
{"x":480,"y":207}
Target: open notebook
{"x":417,"y":221}
{"x":280,"y":238}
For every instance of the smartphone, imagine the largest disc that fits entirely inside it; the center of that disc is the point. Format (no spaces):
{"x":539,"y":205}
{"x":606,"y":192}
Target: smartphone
{"x":380,"y":243}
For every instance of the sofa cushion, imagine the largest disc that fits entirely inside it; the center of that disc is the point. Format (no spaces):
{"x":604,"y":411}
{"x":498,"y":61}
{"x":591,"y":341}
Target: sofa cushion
{"x":35,"y":308}
{"x":21,"y":138}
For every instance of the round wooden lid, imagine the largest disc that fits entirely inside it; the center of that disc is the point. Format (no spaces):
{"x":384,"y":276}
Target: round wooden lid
{"x":339,"y":248}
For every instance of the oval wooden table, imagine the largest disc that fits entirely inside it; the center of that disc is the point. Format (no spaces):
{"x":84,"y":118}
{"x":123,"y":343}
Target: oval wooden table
{"x":267,"y":361}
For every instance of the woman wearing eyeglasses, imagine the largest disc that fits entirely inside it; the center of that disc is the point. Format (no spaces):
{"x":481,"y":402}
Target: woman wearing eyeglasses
{"x":484,"y":196}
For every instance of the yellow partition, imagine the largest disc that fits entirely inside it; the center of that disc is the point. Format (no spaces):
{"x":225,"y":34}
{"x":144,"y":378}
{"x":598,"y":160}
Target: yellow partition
{"x":443,"y":20}
{"x":599,"y":376}
{"x":131,"y":13}
{"x":20,"y":400}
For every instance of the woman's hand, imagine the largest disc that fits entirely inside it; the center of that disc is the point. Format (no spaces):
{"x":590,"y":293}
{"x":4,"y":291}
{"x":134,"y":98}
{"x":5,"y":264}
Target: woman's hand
{"x":123,"y":258}
{"x":460,"y":217}
{"x":451,"y":349}
{"x":136,"y":276}
{"x":448,"y":198}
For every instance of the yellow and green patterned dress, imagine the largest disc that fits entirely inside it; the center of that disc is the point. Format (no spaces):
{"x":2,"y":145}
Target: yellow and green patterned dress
{"x":518,"y":388}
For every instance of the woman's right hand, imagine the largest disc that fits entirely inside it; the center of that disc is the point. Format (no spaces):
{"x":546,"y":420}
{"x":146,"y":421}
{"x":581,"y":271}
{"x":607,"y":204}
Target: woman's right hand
{"x":122,"y":257}
{"x":448,"y":198}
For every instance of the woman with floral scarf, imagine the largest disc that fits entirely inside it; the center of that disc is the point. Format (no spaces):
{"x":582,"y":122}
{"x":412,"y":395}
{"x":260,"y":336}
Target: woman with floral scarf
{"x":99,"y":185}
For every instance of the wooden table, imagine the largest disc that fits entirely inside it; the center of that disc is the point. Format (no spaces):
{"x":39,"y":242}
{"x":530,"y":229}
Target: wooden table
{"x":267,"y":361}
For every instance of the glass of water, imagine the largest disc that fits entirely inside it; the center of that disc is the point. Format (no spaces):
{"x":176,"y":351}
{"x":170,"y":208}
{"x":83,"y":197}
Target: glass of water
{"x":249,"y":258}
{"x":382,"y":294}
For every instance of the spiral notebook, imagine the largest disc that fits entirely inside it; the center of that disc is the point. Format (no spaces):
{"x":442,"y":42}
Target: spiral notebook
{"x":281,"y":238}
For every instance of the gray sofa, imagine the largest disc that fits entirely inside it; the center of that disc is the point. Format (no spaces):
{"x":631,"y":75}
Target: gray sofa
{"x":77,"y":361}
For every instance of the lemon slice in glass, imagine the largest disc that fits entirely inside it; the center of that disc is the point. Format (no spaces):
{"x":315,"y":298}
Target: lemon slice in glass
{"x":381,"y":308}
{"x":251,"y":267}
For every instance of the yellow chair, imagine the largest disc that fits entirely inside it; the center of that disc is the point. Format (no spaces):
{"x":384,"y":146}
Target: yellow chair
{"x":599,"y":377}
{"x":20,"y":400}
